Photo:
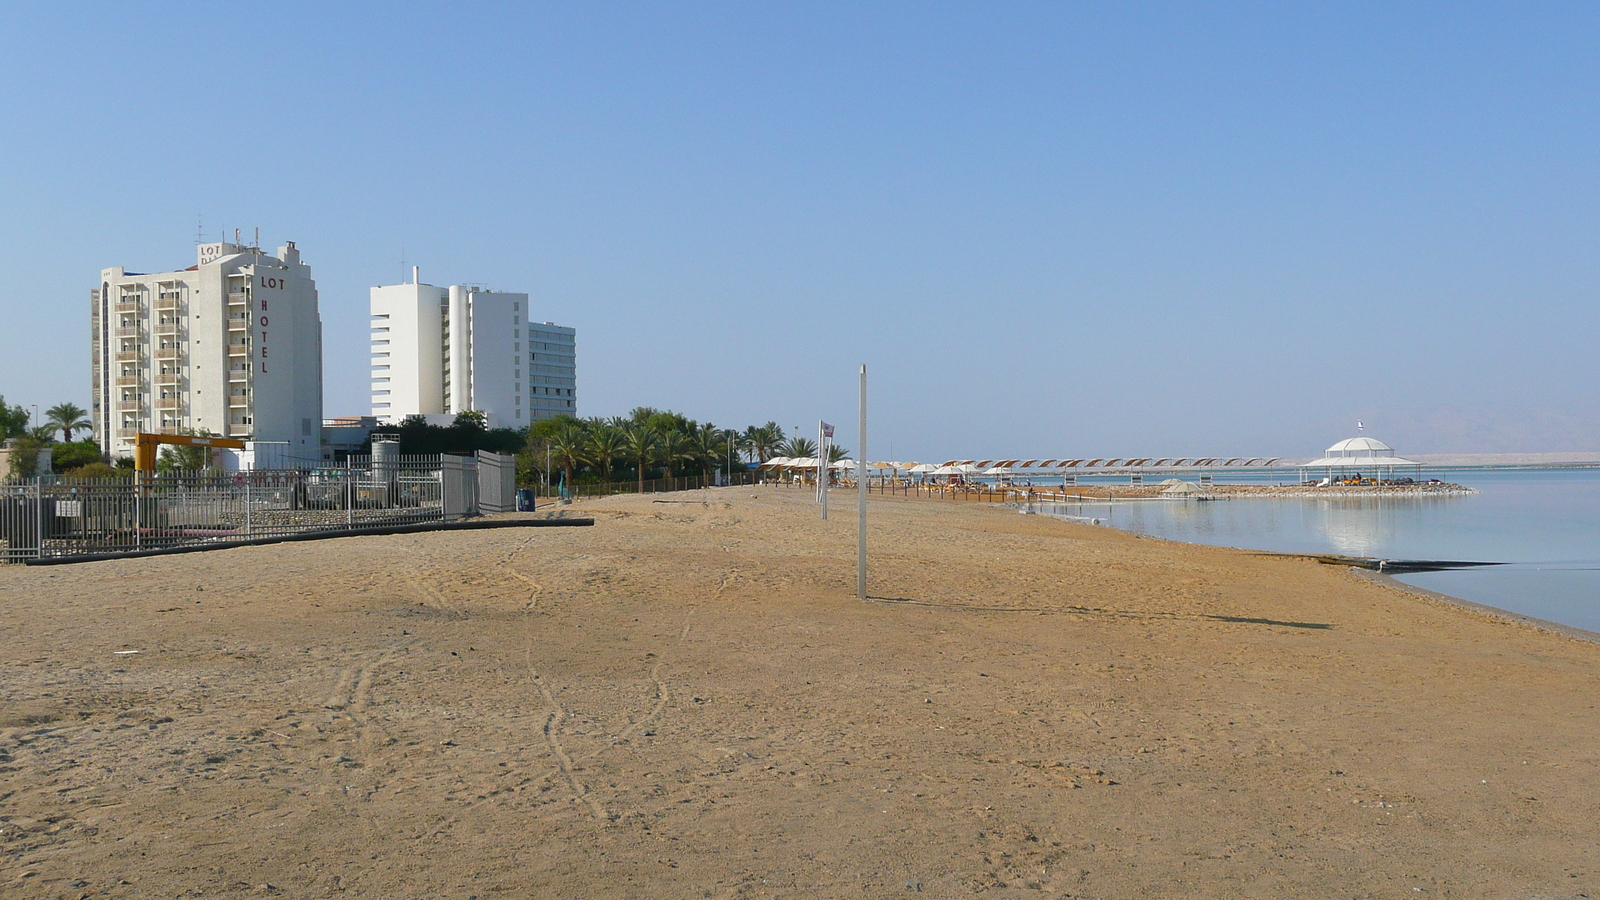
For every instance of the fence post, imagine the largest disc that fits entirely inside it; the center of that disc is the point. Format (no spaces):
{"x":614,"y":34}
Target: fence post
{"x":349,"y":497}
{"x":247,"y":529}
{"x":38,"y":513}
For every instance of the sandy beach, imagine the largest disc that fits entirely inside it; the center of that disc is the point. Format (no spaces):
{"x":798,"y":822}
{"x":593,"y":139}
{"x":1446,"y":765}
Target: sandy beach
{"x":687,"y":700}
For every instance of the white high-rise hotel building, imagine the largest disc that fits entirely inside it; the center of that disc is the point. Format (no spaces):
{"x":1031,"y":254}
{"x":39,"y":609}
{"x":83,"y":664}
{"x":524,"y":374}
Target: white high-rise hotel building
{"x":231,"y":345}
{"x":440,"y":351}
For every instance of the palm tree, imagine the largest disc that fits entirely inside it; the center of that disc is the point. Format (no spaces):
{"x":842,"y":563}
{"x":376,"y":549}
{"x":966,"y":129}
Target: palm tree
{"x":640,"y":444}
{"x":567,"y":447}
{"x":764,"y":440}
{"x":605,"y":445}
{"x":799,"y":448}
{"x":68,"y":417}
{"x":710,"y":446}
{"x":676,"y":447}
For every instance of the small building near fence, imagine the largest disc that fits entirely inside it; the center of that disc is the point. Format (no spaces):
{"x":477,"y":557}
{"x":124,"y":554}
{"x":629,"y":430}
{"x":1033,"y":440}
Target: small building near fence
{"x":1358,"y":456}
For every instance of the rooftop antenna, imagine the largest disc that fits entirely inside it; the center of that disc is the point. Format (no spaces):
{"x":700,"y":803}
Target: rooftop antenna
{"x":199,"y":228}
{"x":236,"y":237}
{"x":257,"y":244}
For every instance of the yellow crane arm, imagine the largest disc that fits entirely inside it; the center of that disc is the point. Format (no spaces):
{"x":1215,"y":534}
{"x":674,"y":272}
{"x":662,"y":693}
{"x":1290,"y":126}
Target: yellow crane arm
{"x":144,"y":448}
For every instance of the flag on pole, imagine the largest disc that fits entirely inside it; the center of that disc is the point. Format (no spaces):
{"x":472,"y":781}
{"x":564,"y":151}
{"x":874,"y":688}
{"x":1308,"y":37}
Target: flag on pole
{"x":827,"y":430}
{"x":1360,"y":426}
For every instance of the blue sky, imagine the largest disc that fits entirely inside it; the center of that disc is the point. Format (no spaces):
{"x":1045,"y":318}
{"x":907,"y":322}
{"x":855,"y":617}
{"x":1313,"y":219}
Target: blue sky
{"x":1048,"y":229}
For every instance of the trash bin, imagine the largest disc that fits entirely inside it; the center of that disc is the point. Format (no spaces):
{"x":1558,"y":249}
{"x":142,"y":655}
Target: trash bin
{"x":524,"y":501}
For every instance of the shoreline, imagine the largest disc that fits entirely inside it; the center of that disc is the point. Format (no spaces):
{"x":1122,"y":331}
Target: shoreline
{"x":1390,"y":581}
{"x":1374,"y":575}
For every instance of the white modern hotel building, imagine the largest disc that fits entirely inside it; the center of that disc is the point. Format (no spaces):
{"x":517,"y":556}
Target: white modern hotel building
{"x":439,"y":351}
{"x":230,"y":345}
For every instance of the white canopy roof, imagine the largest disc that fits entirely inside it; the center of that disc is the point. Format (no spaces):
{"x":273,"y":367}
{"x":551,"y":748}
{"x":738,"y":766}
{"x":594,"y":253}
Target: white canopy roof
{"x":777,"y":461}
{"x":922,"y":469}
{"x":1359,"y":462}
{"x":1360,"y":446}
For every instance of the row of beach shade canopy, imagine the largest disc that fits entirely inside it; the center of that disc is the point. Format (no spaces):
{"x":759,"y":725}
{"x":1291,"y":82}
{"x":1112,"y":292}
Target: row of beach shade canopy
{"x":1001,"y":467}
{"x":1004,"y":468}
{"x":805,"y":462}
{"x":1025,"y":466}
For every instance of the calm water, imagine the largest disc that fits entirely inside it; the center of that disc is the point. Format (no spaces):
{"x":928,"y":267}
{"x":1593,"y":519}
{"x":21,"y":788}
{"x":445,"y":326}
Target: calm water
{"x":1546,"y":522}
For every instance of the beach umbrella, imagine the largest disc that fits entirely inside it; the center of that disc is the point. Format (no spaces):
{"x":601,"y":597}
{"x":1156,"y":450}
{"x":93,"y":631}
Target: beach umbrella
{"x":843,"y":464}
{"x":968,"y":469}
{"x":922,"y":469}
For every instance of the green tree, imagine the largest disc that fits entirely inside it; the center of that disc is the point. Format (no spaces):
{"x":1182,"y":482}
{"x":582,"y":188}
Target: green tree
{"x":798,"y":448}
{"x":764,"y":441}
{"x":710,"y":447}
{"x":97,"y":469}
{"x":25,"y":456}
{"x":537,"y":441}
{"x":74,"y":455}
{"x":13,"y":420}
{"x":640,"y":444}
{"x":676,"y":447}
{"x":465,"y":435}
{"x":68,"y":417}
{"x":567,"y":447}
{"x":174,"y":458}
{"x":471,"y":418}
{"x":605,"y":446}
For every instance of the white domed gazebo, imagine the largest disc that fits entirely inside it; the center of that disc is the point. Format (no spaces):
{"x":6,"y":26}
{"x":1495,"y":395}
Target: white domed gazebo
{"x":1351,"y":456}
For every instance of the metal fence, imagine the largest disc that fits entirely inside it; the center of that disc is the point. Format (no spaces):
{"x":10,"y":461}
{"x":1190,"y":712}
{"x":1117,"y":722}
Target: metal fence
{"x":79,"y":517}
{"x":648,"y":486}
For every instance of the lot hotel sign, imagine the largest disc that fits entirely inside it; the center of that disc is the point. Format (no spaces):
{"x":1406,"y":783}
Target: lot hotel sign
{"x":210,"y":253}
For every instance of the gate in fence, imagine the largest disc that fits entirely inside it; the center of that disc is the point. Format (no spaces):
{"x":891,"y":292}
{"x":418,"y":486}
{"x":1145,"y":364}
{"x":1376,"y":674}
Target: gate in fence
{"x":459,"y":478}
{"x":497,"y":483}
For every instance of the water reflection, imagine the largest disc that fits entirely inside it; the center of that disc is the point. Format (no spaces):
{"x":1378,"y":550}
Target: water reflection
{"x":1531,"y":517}
{"x":1349,"y":526}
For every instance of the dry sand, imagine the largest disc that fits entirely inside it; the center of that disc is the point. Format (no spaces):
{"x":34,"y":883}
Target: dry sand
{"x":687,"y":700}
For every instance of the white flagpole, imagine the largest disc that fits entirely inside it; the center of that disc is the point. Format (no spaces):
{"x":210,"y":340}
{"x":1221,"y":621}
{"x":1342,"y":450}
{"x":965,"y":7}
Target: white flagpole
{"x":861,"y":495}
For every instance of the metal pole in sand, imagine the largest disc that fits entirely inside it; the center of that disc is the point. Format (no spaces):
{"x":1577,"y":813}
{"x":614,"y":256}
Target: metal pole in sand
{"x":822,"y":466}
{"x":861,"y":495}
